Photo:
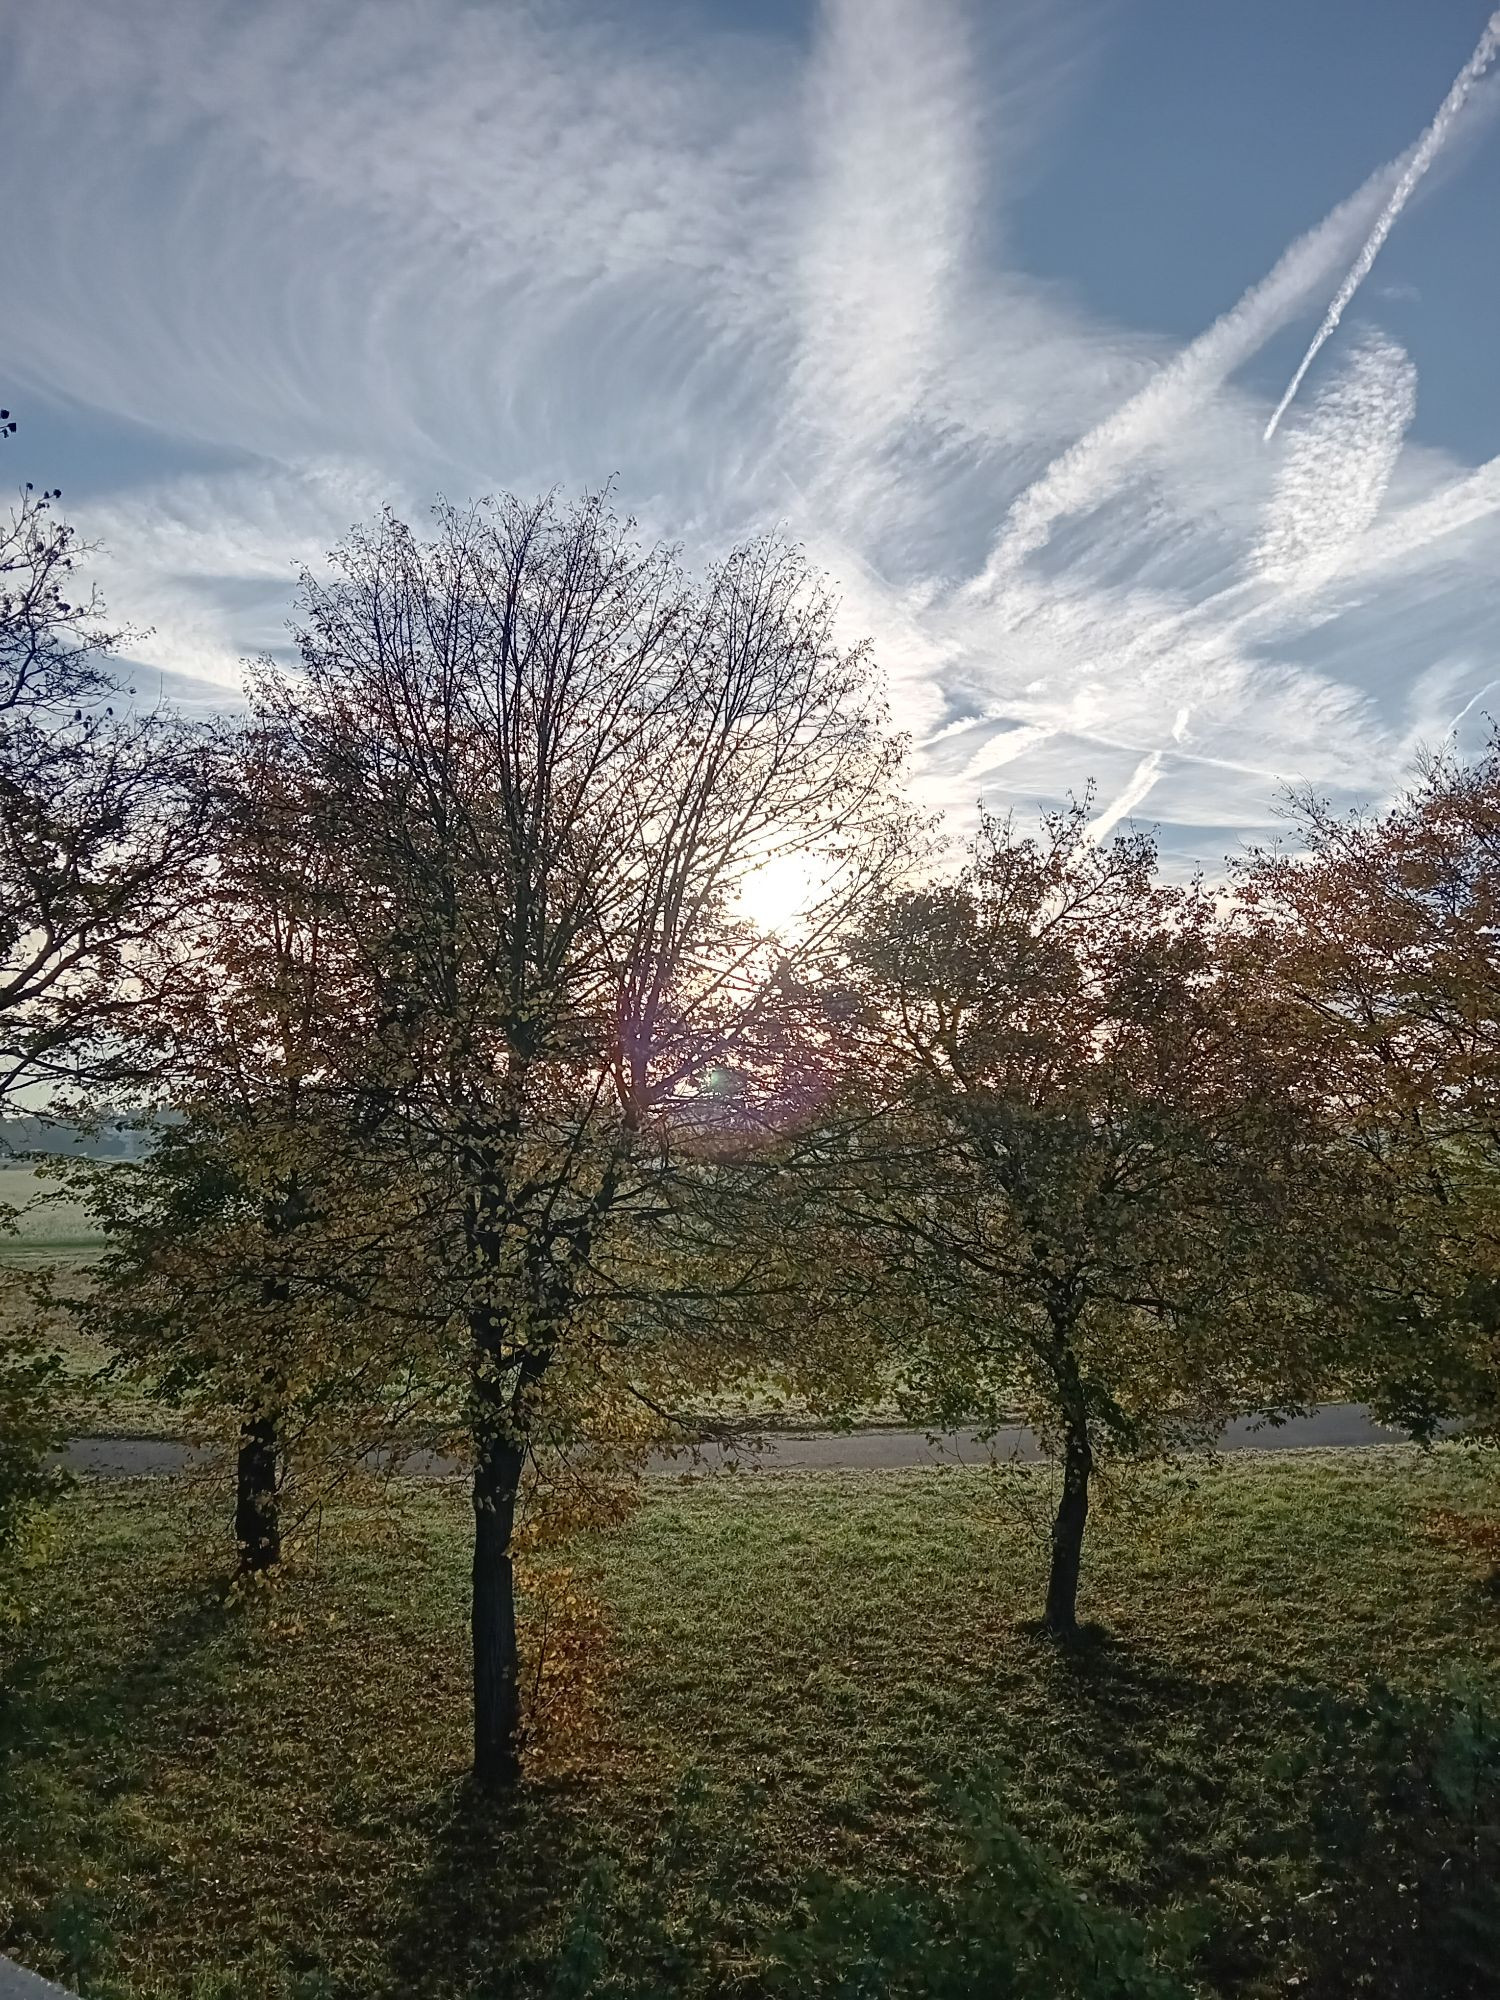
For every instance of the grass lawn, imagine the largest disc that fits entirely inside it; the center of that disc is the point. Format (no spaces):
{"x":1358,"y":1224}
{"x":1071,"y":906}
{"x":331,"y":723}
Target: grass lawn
{"x":806,"y":1670}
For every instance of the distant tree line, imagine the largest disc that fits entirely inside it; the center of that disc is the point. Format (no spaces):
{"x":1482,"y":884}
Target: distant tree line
{"x":36,"y":1134}
{"x":489,"y":1121}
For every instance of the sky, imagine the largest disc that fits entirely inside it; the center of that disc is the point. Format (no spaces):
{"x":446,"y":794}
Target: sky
{"x":988,"y":303}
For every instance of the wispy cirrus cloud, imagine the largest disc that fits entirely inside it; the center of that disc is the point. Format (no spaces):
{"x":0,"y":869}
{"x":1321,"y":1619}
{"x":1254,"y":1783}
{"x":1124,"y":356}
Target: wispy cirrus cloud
{"x":370,"y":252}
{"x":893,"y":187}
{"x":1091,"y":470}
{"x":1335,"y":470}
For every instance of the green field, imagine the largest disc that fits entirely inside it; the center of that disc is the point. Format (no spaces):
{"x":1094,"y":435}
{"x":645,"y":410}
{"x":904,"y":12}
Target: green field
{"x":807,"y":1673}
{"x":53,"y":1228}
{"x":48,"y":1220}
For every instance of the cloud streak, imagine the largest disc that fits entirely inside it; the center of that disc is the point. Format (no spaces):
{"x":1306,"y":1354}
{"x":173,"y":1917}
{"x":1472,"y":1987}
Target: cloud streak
{"x":894,"y":183}
{"x":1142,"y":781}
{"x":1092,"y":469}
{"x":1334,"y":476}
{"x":1421,"y":158}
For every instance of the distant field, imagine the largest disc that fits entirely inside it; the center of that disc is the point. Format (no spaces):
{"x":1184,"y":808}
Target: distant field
{"x":53,"y":1228}
{"x":806,"y":1672}
{"x":49,"y":1221}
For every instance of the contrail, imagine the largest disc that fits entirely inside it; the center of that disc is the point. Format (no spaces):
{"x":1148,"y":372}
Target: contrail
{"x":1423,"y":155}
{"x":1472,"y":702}
{"x":1090,"y":469}
{"x":1142,"y":780}
{"x":1460,"y":503}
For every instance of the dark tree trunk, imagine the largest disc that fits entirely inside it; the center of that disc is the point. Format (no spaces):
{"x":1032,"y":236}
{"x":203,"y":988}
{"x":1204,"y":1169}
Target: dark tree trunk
{"x":257,"y":1519}
{"x":1061,"y":1618}
{"x":257,"y":1526}
{"x":497,"y":1674}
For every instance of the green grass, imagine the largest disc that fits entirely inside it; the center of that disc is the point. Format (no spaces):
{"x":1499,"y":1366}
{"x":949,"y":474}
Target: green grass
{"x":805,"y":1672}
{"x":96,"y":1402}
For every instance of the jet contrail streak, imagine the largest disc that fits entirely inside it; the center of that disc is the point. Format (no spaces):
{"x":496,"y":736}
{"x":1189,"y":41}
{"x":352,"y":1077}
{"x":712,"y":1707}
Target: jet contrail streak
{"x":1474,"y":497}
{"x":1472,"y":702}
{"x":1093,"y":467}
{"x":1423,"y":155}
{"x":1141,"y":781}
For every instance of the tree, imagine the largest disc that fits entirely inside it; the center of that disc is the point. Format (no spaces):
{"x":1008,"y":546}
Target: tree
{"x":96,"y":821}
{"x":542,"y":766}
{"x":93,"y":834}
{"x":29,"y":1432}
{"x":241,"y":1248}
{"x":1378,"y":935}
{"x":1084,"y":1155}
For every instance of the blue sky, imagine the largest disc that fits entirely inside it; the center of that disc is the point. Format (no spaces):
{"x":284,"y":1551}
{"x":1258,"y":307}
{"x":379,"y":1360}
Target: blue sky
{"x":987,"y":301}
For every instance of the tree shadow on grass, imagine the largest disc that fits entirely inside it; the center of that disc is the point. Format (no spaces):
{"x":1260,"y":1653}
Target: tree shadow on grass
{"x":567,"y":1893}
{"x":1187,"y":1769}
{"x":1347,"y":1832}
{"x":106,"y":1705}
{"x":476,"y":1922}
{"x":72,"y":1742}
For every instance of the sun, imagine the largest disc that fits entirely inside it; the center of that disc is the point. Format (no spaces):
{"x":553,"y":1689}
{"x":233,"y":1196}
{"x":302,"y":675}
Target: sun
{"x":777,"y":896}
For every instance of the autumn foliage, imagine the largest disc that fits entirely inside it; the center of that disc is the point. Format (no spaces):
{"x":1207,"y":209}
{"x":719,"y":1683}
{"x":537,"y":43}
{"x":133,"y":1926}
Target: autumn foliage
{"x":490,"y":1124}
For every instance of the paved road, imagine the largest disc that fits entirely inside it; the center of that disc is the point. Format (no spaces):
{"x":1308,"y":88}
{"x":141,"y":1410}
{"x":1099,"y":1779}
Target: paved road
{"x":1338,"y":1426}
{"x":16,"y":1983}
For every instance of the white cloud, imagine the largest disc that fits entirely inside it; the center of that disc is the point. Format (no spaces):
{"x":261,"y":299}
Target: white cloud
{"x":1336,"y":466}
{"x":208,"y":565}
{"x":1409,"y":536}
{"x":1091,"y":470}
{"x":377,"y":250}
{"x":1142,"y":782}
{"x":894,"y":182}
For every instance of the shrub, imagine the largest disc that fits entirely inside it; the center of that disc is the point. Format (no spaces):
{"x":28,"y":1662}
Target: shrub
{"x":1404,"y":1826}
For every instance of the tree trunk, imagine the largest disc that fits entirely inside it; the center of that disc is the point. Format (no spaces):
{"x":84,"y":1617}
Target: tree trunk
{"x":497,"y":1673}
{"x":1061,"y":1619}
{"x":257,"y":1520}
{"x":257,"y":1526}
